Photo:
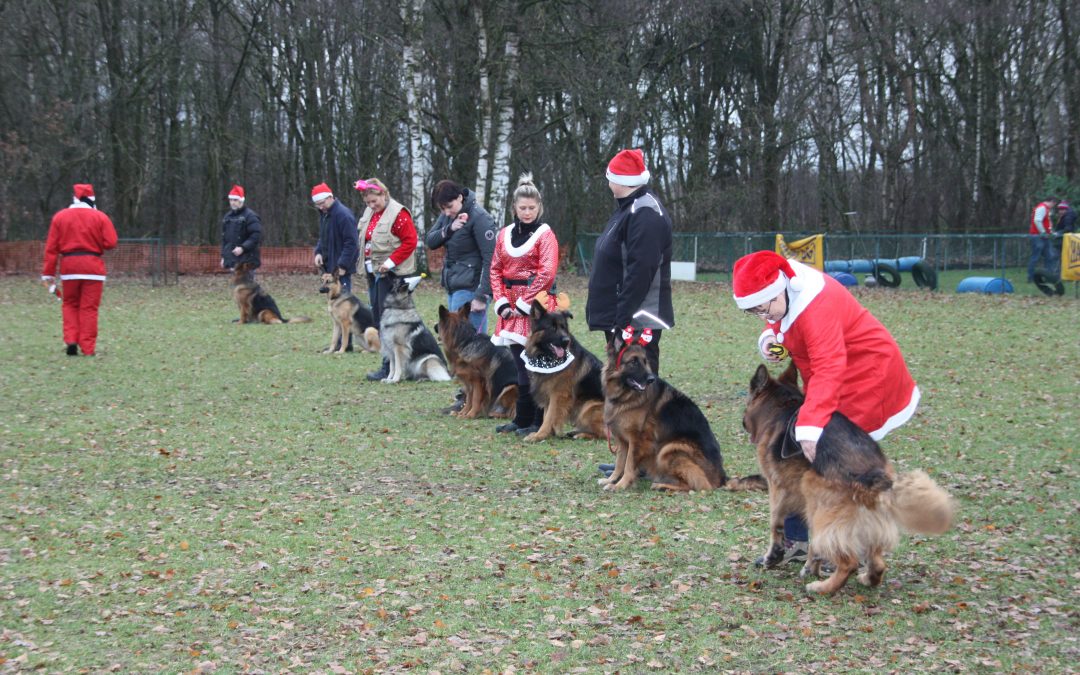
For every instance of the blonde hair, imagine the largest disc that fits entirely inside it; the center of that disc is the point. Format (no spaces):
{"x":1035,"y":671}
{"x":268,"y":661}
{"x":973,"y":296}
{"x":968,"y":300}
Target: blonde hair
{"x":526,"y":189}
{"x":381,"y":185}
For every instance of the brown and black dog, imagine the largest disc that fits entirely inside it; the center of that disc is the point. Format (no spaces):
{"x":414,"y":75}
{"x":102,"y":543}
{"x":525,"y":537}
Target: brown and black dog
{"x":851,"y":497}
{"x":348,"y":315}
{"x":564,"y":377}
{"x":254,"y":303}
{"x":658,"y":430}
{"x":486,"y":372}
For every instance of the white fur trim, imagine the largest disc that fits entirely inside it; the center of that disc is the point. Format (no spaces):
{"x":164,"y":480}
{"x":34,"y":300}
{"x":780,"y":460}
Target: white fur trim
{"x":507,"y":338}
{"x":77,"y":204}
{"x":524,"y":249}
{"x":499,"y":303}
{"x":813,"y":282}
{"x":629,"y":181}
{"x":316,"y":198}
{"x":88,"y":277}
{"x":764,"y":295}
{"x":523,"y":307}
{"x":899,"y":418}
{"x":807,"y":433}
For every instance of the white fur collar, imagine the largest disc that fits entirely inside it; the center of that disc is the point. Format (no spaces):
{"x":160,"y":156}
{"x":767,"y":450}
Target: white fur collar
{"x":813,"y":283}
{"x":529,"y":243}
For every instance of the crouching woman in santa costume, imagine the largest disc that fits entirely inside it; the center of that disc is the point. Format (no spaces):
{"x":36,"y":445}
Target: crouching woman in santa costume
{"x":79,"y":235}
{"x":848,"y":361}
{"x":524,"y":263}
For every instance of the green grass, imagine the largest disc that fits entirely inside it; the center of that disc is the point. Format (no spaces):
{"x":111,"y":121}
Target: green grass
{"x":206,"y":493}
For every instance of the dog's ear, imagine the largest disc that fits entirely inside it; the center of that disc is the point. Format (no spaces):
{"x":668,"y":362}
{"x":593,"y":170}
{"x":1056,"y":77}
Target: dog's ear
{"x":443,"y":313}
{"x":465,"y":310}
{"x":616,"y":344}
{"x":760,"y":379}
{"x":790,"y":376}
{"x":568,"y":315}
{"x":537,"y":311}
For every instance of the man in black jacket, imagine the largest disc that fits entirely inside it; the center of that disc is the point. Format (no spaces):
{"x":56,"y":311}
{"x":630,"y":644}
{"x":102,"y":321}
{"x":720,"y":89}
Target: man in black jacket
{"x":630,"y":283}
{"x":241,"y":232}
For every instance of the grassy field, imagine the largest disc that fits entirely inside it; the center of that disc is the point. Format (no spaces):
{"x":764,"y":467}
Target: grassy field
{"x":207,"y":496}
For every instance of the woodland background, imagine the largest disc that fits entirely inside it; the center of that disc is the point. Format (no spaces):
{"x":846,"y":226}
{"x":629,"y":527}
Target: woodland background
{"x":823,"y":115}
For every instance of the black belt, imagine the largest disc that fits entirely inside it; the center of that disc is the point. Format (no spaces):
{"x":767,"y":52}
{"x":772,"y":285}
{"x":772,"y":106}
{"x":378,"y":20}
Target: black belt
{"x":518,"y":282}
{"x":72,"y":254}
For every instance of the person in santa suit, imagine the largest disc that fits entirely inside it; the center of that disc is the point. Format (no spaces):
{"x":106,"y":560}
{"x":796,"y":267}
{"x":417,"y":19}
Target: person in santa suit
{"x":79,"y":235}
{"x":524,"y":263}
{"x":848,"y":361}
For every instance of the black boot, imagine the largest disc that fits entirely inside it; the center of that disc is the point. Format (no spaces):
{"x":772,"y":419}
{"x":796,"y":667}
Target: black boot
{"x":537,"y":422}
{"x":524,"y":412}
{"x":457,"y":405}
{"x":382,"y":373}
{"x":73,"y":350}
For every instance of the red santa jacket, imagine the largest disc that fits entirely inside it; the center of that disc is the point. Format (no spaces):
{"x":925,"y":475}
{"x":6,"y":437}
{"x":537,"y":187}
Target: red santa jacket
{"x":538,"y":259}
{"x":849,"y":362}
{"x":1040,"y":222}
{"x":80,"y":234}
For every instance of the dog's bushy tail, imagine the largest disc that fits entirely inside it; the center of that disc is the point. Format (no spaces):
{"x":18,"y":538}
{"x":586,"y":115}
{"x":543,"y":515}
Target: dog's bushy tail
{"x":299,"y":319}
{"x":752,"y":482}
{"x":371,"y":334}
{"x":920,"y":506}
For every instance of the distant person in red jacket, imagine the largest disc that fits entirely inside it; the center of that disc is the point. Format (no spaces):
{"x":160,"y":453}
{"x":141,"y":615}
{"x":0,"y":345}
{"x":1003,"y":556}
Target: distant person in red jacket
{"x":848,"y":361}
{"x":79,"y":234}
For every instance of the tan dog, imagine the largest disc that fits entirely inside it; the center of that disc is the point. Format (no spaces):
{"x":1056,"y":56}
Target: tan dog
{"x":349,"y":316}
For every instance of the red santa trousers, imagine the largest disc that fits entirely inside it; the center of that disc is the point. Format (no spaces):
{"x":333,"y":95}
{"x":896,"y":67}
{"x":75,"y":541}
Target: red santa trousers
{"x":82,"y":297}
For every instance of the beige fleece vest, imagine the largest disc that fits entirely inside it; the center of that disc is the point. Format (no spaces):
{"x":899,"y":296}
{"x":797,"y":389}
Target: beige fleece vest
{"x":383,"y":241}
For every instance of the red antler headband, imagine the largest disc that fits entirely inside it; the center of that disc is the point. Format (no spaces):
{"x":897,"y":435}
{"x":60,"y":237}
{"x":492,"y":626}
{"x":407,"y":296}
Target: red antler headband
{"x":628,"y":339}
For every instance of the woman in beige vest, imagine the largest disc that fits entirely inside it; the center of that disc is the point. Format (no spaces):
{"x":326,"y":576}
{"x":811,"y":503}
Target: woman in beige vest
{"x":388,"y":236}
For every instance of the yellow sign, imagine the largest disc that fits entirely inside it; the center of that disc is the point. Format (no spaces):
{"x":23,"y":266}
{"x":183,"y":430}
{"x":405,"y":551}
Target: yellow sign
{"x":1070,"y":257}
{"x":809,"y":251}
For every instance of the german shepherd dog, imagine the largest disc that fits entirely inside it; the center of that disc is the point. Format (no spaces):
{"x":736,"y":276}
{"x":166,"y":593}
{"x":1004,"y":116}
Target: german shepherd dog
{"x":254,"y":303}
{"x":486,"y":372}
{"x":348,"y":315}
{"x":564,"y":377}
{"x":851,"y":497}
{"x":657,"y":429}
{"x":406,"y":341}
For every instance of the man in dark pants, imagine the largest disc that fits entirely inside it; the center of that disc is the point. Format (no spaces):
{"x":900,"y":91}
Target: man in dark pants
{"x":339,"y":245}
{"x":630,"y":283}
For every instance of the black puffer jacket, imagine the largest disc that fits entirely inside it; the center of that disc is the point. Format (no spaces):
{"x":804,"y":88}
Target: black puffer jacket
{"x":244,"y":229}
{"x":468,"y":251}
{"x":630,"y":281}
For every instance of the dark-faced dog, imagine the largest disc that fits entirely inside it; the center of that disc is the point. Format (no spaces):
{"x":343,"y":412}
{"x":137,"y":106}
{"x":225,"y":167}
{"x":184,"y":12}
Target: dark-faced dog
{"x":564,"y":377}
{"x":657,"y":429}
{"x":348,"y":315}
{"x":406,"y":341}
{"x":486,"y":372}
{"x":852,"y":499}
{"x":254,"y":303}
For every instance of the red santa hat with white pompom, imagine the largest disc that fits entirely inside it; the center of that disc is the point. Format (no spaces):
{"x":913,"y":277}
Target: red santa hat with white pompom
{"x":759,"y":277}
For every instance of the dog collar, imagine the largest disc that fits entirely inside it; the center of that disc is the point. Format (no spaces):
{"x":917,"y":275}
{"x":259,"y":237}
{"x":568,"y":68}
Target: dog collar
{"x":546,"y":364}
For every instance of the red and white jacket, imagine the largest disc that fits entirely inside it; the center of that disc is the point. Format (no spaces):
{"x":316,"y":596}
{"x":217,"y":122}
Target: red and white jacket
{"x":80,"y":234}
{"x":848,"y":360}
{"x":1040,"y":219}
{"x":538,"y":259}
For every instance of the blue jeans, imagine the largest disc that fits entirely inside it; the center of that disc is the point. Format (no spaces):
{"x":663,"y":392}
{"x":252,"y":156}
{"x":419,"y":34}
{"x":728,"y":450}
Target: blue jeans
{"x":1040,"y":248}
{"x":458,"y":299}
{"x":795,"y":529}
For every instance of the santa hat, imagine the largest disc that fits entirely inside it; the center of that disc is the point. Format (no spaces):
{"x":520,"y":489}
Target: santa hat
{"x":84,"y":191}
{"x":759,"y":277}
{"x":320,"y":192}
{"x":236,"y":192}
{"x":628,"y":168}
{"x":1063,"y":204}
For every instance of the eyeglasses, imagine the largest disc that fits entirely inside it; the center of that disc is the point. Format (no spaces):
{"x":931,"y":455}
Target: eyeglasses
{"x":761,"y":312}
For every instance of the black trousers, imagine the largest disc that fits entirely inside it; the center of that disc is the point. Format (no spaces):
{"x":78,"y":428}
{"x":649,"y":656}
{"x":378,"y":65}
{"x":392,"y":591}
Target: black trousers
{"x":378,"y":289}
{"x":652,"y":350}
